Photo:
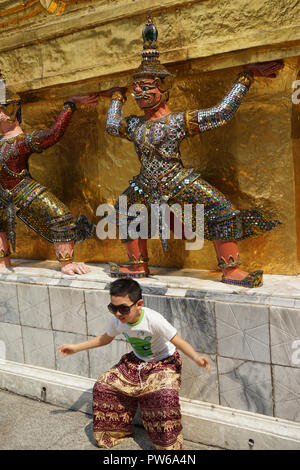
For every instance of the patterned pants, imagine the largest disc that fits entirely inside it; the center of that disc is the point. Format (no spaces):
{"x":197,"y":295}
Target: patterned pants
{"x":153,"y":385}
{"x":47,"y":216}
{"x":221,"y":220}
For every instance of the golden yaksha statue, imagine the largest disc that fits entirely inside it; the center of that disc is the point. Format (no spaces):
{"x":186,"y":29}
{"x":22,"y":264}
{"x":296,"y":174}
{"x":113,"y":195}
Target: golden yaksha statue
{"x":163,"y":180}
{"x":22,"y":196}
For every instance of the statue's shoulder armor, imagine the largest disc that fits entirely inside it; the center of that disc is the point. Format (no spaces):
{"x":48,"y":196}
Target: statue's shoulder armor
{"x":128,"y":126}
{"x":133,"y":121}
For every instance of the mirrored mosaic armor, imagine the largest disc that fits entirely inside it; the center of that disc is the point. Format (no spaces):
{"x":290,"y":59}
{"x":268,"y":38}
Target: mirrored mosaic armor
{"x":22,"y":196}
{"x":164,"y":180}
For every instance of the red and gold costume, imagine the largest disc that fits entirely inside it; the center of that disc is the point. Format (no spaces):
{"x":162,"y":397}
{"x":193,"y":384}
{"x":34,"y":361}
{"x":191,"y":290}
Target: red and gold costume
{"x":132,"y":382}
{"x":24,"y":197}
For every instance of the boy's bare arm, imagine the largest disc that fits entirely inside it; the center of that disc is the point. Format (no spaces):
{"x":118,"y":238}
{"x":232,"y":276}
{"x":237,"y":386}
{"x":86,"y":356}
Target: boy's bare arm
{"x":189,"y":351}
{"x":103,"y":340}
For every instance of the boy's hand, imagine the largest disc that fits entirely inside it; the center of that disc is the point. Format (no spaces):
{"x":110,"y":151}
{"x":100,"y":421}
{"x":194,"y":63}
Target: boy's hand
{"x":66,"y":349}
{"x":203,"y":362}
{"x":187,"y":349}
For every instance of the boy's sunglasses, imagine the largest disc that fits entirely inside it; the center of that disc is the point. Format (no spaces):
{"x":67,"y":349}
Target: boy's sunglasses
{"x":123,"y":309}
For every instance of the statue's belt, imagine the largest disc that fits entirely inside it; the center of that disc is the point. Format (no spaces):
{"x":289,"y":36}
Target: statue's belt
{"x":21,"y":195}
{"x":165,"y":188}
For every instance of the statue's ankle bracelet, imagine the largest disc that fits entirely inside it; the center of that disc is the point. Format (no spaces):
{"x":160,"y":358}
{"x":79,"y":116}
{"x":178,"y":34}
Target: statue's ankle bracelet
{"x":4,"y":253}
{"x":67,"y":258}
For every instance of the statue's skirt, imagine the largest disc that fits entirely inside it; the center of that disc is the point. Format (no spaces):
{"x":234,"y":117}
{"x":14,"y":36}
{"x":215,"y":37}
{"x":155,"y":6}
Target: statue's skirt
{"x":219,"y":220}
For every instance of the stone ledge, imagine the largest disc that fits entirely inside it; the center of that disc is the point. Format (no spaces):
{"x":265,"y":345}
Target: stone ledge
{"x":210,"y":424}
{"x":278,"y":290}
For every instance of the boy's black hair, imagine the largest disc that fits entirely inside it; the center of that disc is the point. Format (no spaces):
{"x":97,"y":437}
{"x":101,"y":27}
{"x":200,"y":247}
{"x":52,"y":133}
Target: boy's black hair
{"x":127,"y":286}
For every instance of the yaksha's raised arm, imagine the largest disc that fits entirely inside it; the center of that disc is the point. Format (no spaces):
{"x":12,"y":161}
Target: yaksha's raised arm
{"x":206,"y":119}
{"x":116,"y":125}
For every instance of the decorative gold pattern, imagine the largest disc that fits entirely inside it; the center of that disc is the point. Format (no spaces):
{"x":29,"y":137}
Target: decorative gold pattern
{"x":140,"y":260}
{"x":191,"y":124}
{"x":113,"y":436}
{"x":18,"y":8}
{"x":230,"y":262}
{"x":4,"y":254}
{"x":252,"y":280}
{"x":117,"y":95}
{"x":53,"y":6}
{"x":245,"y":78}
{"x":63,"y":258}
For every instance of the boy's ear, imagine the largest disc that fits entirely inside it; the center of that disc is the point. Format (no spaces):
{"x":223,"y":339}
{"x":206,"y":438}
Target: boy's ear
{"x":140,"y":303}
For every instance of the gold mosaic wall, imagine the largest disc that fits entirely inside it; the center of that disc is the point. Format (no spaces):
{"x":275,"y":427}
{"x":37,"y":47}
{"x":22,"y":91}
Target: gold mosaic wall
{"x":254,"y":160}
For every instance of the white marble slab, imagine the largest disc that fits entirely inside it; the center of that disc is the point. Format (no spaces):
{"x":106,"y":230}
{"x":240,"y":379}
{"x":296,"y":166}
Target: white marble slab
{"x":34,"y":306}
{"x":243,"y":331}
{"x":197,"y":383}
{"x":38,"y":347}
{"x":97,"y":312}
{"x":245,"y":385}
{"x":9,"y":311}
{"x":75,"y":363}
{"x":287,"y":392}
{"x":11,"y":342}
{"x":278,"y":290}
{"x":285,"y":336}
{"x":68,"y":310}
{"x":102,"y":359}
{"x":192,"y":318}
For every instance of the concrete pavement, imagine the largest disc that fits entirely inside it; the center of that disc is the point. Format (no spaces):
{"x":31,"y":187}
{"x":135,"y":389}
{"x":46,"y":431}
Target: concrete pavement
{"x":27,"y":424}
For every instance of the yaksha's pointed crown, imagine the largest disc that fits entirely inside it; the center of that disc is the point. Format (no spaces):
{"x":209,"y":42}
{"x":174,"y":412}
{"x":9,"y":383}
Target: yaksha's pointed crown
{"x":151,"y":66}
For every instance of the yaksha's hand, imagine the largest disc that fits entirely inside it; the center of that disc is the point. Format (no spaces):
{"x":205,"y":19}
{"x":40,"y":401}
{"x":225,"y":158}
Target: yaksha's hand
{"x":265,"y":69}
{"x":85,"y":100}
{"x":110,"y":92}
{"x":73,"y":268}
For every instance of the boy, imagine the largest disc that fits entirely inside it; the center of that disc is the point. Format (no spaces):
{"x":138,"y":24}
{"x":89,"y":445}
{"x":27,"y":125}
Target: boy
{"x":150,"y":375}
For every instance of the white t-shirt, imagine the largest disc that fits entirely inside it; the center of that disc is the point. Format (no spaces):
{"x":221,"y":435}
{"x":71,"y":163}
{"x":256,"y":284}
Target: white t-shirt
{"x":149,"y":337}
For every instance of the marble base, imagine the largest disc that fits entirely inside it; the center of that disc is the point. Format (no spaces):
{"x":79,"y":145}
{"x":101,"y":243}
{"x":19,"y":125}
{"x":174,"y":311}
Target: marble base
{"x":202,"y":422}
{"x":278,"y":290}
{"x":251,"y":336}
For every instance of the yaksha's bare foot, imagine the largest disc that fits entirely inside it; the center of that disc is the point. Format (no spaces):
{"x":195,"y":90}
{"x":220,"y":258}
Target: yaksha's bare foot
{"x":235,"y":274}
{"x":5,"y":263}
{"x":241,"y":278}
{"x":73,"y":268}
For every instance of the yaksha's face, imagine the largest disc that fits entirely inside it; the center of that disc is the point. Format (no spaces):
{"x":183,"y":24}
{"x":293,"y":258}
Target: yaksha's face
{"x":3,"y":116}
{"x":146,"y":92}
{"x":8,"y":113}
